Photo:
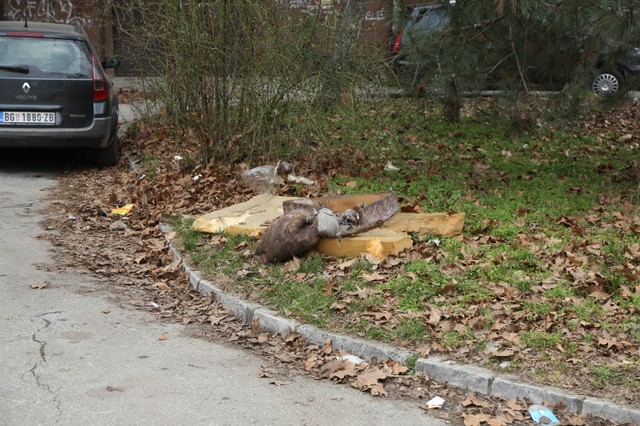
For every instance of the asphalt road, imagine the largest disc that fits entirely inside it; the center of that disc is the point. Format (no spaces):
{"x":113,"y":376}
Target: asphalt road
{"x":72,"y":354}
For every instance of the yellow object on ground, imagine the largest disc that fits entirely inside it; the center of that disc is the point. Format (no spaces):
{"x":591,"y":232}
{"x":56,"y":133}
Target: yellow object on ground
{"x":124,"y":210}
{"x":253,"y":217}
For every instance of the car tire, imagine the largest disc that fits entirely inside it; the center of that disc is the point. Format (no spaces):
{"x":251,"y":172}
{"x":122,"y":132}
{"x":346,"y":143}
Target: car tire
{"x":108,"y":157}
{"x":607,"y":83}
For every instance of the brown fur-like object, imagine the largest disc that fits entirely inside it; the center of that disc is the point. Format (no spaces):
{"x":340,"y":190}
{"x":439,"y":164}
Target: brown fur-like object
{"x":294,"y":233}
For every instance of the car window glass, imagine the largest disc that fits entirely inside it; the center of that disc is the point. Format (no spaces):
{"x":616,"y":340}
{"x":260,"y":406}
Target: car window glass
{"x":60,"y":58}
{"x":431,"y":20}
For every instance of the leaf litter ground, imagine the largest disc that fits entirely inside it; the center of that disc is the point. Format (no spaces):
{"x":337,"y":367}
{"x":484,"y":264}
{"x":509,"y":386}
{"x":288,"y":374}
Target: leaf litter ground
{"x":133,"y":260}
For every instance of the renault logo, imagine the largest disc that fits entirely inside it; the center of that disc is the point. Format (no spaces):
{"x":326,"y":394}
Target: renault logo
{"x":26,"y":87}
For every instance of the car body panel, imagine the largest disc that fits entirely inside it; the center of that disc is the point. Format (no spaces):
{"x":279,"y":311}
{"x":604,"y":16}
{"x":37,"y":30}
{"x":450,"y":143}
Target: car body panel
{"x":63,"y":73}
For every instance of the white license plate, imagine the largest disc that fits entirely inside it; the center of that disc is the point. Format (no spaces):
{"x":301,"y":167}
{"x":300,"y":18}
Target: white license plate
{"x":28,"y":117}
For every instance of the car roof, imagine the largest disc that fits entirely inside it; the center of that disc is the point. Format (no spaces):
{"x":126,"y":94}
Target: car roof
{"x":46,"y":28}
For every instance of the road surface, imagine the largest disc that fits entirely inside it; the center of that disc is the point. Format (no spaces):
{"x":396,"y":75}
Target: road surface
{"x":71,"y":354}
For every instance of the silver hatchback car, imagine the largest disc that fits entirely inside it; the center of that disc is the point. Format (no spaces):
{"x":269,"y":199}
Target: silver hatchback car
{"x":54,"y":91}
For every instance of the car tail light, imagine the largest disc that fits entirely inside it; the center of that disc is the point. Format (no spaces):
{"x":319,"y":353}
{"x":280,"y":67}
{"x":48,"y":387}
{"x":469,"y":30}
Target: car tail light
{"x":396,"y":44}
{"x":100,"y":86}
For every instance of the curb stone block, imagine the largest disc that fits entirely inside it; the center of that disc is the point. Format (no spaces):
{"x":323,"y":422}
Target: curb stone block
{"x":194,"y":277}
{"x":468,"y":377}
{"x":174,"y":251}
{"x":241,"y":310}
{"x":354,"y":346}
{"x":206,"y":288}
{"x":508,"y":387}
{"x":270,"y":322}
{"x":608,"y":410}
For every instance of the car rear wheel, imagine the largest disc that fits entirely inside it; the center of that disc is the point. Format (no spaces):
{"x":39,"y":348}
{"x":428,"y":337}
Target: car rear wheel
{"x":107,"y":157}
{"x":607,"y":83}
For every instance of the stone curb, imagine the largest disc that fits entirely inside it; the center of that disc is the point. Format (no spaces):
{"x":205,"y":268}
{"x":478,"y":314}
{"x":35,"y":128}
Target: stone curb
{"x":467,"y":377}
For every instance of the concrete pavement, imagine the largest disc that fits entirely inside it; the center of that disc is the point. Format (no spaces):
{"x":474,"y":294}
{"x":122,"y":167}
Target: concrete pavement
{"x":71,"y":354}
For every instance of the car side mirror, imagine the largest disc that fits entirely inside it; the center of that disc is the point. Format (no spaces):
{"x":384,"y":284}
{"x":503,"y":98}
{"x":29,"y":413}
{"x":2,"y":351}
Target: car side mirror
{"x":111,"y":62}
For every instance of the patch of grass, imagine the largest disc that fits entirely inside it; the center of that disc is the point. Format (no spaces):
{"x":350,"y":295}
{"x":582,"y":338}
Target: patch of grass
{"x":306,"y":301}
{"x":561,"y":291}
{"x":537,"y":311}
{"x":604,"y":375}
{"x":453,"y":339}
{"x":150,"y":165}
{"x":410,"y":329}
{"x":540,"y":340}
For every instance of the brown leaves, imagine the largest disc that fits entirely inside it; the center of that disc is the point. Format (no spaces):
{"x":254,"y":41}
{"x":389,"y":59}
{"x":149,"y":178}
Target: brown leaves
{"x":40,"y":285}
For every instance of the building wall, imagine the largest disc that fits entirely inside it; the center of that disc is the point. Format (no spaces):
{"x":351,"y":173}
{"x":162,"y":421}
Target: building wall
{"x":377,"y":28}
{"x":86,"y":12}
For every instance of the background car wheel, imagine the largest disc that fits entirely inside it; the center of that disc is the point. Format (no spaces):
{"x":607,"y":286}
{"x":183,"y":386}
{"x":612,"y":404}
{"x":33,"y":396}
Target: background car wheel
{"x":607,"y":83}
{"x":108,"y":156}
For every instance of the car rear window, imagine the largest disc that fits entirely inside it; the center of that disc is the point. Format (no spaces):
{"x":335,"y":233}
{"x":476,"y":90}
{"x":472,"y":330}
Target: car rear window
{"x":46,"y":56}
{"x":430,"y":20}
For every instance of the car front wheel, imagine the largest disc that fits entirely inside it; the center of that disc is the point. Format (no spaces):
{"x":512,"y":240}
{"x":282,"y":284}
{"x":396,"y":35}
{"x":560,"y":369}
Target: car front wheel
{"x":607,"y":83}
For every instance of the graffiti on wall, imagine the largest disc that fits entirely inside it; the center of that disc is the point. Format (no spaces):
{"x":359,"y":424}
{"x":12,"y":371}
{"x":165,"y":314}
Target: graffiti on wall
{"x":328,"y":7}
{"x":59,"y":11}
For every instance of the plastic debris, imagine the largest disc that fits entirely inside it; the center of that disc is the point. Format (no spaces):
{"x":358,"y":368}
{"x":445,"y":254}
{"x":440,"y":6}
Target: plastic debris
{"x":435,"y":403}
{"x":124,"y":210}
{"x":542,"y":415}
{"x":261,"y":179}
{"x":351,"y":358}
{"x":299,"y":179}
{"x":73,"y":218}
{"x":178,"y":157}
{"x":390,"y":167}
{"x":197,"y":177}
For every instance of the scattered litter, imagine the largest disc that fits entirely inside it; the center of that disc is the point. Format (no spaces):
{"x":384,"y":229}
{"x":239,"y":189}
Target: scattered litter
{"x":123,"y":211}
{"x":118,"y":225}
{"x":261,"y":179}
{"x":285,"y":166}
{"x":351,"y":358}
{"x":435,"y":242}
{"x":178,"y":157}
{"x":73,"y":218}
{"x":390,"y":167}
{"x":300,"y":179}
{"x":435,"y":403}
{"x":542,"y":415}
{"x":197,"y":177}
{"x":153,"y":305}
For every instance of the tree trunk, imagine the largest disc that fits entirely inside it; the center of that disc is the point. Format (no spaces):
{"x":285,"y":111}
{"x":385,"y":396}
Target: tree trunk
{"x":451,"y":102}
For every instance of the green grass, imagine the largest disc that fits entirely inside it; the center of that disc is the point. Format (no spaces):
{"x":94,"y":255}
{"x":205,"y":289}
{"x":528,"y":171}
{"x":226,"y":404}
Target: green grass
{"x":547,"y":222}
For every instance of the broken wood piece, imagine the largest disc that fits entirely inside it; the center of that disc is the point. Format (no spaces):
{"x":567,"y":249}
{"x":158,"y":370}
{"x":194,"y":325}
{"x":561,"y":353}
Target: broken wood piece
{"x":246,"y":218}
{"x":250,"y":218}
{"x":379,"y":242}
{"x":370,"y":207}
{"x":443,"y":224}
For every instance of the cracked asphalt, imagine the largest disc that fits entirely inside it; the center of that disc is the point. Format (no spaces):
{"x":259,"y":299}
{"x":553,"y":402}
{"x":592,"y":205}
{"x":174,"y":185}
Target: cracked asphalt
{"x":72,"y":353}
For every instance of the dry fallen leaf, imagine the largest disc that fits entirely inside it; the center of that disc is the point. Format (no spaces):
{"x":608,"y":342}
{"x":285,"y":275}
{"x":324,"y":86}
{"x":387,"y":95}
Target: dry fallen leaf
{"x":40,"y":285}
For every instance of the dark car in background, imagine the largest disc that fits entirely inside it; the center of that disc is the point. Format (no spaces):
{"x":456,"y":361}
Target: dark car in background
{"x":615,"y":68}
{"x":54,"y":91}
{"x":412,"y":52}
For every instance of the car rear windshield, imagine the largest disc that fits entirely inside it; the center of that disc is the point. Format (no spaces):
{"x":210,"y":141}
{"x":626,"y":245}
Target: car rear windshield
{"x":41,"y":57}
{"x":429,"y":20}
